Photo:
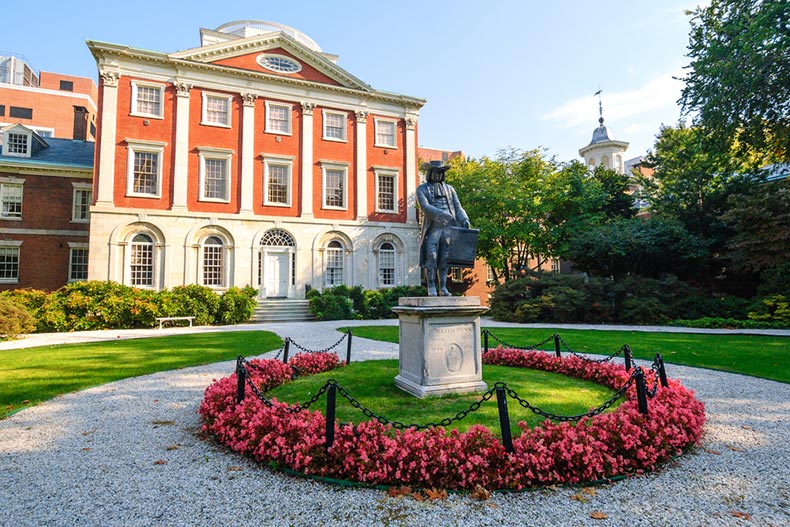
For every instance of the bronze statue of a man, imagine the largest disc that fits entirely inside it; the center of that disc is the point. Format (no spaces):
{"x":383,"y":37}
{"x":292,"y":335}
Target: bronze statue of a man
{"x":441,"y":211}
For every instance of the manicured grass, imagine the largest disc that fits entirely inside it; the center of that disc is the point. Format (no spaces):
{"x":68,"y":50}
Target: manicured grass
{"x":372,"y":383}
{"x":755,"y":355}
{"x":29,"y":376}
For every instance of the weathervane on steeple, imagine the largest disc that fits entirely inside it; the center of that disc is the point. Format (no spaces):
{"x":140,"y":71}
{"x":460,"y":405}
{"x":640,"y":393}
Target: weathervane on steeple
{"x":600,"y":106}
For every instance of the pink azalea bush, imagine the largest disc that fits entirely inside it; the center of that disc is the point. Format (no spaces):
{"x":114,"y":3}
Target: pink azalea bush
{"x":615,"y":443}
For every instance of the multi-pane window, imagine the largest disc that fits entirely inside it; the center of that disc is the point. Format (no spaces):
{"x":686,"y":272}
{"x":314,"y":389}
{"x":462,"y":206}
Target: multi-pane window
{"x":216,"y":109}
{"x":141,"y":261}
{"x":147,"y":99}
{"x":278,"y":118}
{"x":277,"y":178}
{"x":334,"y":126}
{"x":11,"y":200}
{"x":213,"y":262}
{"x":334,"y":264}
{"x":335,"y":180}
{"x":17,"y":144}
{"x":78,"y":264}
{"x":385,"y":133}
{"x":555,"y":265}
{"x":82,"y":202}
{"x":386,"y":265}
{"x":215,"y":179}
{"x":386,"y":191}
{"x":145,"y":173}
{"x":9,"y":264}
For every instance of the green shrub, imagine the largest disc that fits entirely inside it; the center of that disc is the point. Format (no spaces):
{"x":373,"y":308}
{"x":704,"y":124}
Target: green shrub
{"x":191,"y":301}
{"x":15,"y":319}
{"x":235,"y":306}
{"x":726,"y":323}
{"x":346,"y":303}
{"x":331,"y":306}
{"x":31,"y":299}
{"x":774,"y":308}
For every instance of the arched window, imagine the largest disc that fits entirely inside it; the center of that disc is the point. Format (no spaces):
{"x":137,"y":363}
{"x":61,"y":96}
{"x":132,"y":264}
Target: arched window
{"x":213,"y":262}
{"x":141,"y":261}
{"x":605,"y":162}
{"x":386,"y":265}
{"x":334,"y":264}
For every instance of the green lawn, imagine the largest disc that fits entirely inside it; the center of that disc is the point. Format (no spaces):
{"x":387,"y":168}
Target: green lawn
{"x":756,"y":355}
{"x":29,"y":376}
{"x":372,"y":383}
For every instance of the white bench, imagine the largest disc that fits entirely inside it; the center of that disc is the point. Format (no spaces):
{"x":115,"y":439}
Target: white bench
{"x":162,"y":320}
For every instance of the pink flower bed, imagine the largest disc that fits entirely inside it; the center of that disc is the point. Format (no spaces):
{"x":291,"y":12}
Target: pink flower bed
{"x":620,"y":442}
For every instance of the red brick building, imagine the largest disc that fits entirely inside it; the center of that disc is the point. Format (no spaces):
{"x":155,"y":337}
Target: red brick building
{"x":253,"y":159}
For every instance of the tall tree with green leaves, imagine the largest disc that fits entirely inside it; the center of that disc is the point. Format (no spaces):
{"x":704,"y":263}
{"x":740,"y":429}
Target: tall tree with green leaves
{"x":738,"y":81}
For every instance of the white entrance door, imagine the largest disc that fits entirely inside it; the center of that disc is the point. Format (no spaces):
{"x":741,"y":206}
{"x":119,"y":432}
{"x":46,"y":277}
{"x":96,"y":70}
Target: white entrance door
{"x":276,"y":267}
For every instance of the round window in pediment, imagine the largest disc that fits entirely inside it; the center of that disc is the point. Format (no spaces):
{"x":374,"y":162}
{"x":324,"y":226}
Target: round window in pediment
{"x":279,"y":63}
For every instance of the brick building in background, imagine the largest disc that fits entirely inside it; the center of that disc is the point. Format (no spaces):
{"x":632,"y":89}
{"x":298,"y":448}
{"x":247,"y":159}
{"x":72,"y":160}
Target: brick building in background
{"x":47,"y":125}
{"x":253,"y":159}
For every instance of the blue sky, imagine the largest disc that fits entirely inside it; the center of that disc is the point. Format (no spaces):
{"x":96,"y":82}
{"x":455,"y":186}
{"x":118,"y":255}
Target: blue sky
{"x":496,"y":74}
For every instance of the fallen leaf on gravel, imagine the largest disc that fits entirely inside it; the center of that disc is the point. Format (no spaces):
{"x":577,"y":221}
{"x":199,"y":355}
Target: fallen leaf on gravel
{"x":590,"y":491}
{"x":174,"y":447}
{"x":86,"y":449}
{"x":417,"y":496}
{"x":436,"y":494}
{"x":160,"y":462}
{"x":492,"y":505}
{"x":742,"y":515}
{"x":598,"y":515}
{"x":395,"y":492}
{"x":578,"y":497}
{"x":714,"y":452}
{"x":480,"y":493}
{"x":745,"y":427}
{"x":736,"y":449}
{"x":234,"y":468}
{"x":159,"y":422}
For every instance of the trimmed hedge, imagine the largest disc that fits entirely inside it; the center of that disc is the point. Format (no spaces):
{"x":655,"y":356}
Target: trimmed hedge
{"x":347,"y":303}
{"x":95,"y":305}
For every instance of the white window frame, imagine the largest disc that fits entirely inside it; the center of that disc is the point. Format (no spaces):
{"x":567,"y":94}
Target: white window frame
{"x":344,"y":117}
{"x":150,"y":147}
{"x":80,"y":188}
{"x":327,"y":256}
{"x":143,"y":84}
{"x":204,"y":115}
{"x":391,"y":173}
{"x":223,"y":263}
{"x":268,"y":161}
{"x":154,"y":257}
{"x":221,"y":154}
{"x":77,"y":246}
{"x":394,"y":253}
{"x":378,"y":122}
{"x":335,"y":166}
{"x":7,"y":142}
{"x":289,"y":108}
{"x":12,"y":244}
{"x":11,"y":182}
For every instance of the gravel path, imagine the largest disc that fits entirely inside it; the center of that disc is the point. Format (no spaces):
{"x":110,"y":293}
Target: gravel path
{"x":128,"y":454}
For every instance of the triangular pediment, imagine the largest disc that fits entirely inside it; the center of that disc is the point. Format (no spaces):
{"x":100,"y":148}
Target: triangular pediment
{"x":246,"y":53}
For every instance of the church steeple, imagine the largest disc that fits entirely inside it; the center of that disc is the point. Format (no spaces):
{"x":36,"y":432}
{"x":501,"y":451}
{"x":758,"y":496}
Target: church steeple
{"x":604,"y":149}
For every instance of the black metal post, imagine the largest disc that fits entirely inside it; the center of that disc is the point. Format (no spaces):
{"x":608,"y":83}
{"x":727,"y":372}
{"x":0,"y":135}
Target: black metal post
{"x":331,"y":396}
{"x":485,"y":341}
{"x":627,"y":355}
{"x":641,"y":391}
{"x":662,"y":372}
{"x":504,"y":419}
{"x":348,"y":348}
{"x":240,"y":379}
{"x":286,"y":349}
{"x":557,"y":346}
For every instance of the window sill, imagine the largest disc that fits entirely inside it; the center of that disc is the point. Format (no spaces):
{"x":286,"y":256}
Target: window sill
{"x":277,"y":132}
{"x":327,"y":207}
{"x":147,"y":116}
{"x":139,"y":195}
{"x":217,"y":125}
{"x":11,"y":218}
{"x":213,"y":200}
{"x":335,"y":140}
{"x":389,"y":147}
{"x":283,"y":205}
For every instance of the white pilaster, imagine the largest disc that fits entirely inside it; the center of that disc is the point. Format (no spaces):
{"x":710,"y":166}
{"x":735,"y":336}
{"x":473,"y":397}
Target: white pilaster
{"x":411,"y":169}
{"x":247,"y":154}
{"x":106,"y":168}
{"x":362,"y":163}
{"x":307,"y":159}
{"x":181,"y":163}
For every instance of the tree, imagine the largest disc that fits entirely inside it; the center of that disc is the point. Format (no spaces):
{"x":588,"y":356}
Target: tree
{"x":761,"y":221}
{"x":619,"y":202}
{"x":738,"y":83}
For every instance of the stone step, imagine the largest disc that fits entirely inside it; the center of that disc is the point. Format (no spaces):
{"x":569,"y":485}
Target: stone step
{"x":282,"y":310}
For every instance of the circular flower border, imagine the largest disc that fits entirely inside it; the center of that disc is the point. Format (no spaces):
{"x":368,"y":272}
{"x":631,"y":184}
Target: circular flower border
{"x":611,"y":444}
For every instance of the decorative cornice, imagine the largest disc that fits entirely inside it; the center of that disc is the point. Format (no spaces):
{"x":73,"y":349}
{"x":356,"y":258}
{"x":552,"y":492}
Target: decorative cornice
{"x":308,"y":108}
{"x":248,"y":99}
{"x":362,"y":116}
{"x":110,"y":78}
{"x":182,"y":88}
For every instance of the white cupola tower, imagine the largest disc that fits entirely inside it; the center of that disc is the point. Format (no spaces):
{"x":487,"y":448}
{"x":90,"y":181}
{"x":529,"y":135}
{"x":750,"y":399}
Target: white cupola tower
{"x":604,"y":149}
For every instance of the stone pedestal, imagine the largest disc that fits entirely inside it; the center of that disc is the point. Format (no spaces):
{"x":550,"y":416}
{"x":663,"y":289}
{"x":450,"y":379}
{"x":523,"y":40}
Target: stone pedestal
{"x":440,"y":345}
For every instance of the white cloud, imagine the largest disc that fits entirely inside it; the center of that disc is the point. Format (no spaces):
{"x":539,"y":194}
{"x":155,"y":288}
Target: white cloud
{"x":661,"y":92}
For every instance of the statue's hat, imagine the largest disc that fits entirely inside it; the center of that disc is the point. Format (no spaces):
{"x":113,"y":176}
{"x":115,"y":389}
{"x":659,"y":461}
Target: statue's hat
{"x":435,"y":166}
